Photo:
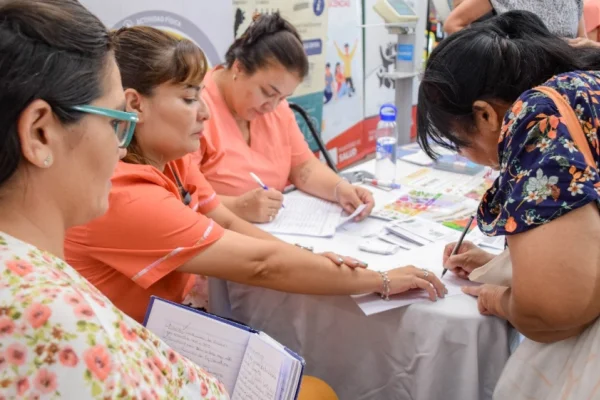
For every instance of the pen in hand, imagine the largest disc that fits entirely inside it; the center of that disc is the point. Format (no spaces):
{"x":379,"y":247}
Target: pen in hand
{"x":261,"y":184}
{"x":460,"y":240}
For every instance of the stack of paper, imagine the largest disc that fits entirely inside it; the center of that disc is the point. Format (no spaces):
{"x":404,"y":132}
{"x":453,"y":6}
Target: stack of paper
{"x":420,"y":231}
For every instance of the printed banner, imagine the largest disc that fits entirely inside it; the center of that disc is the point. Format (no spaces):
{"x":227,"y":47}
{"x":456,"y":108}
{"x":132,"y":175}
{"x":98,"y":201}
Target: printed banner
{"x":309,"y":17}
{"x":343,"y":96}
{"x":206,"y":23}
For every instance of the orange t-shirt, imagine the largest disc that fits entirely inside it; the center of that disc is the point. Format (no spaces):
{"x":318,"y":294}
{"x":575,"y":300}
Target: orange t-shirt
{"x":133,"y":251}
{"x":276,"y":146}
{"x":591,"y":15}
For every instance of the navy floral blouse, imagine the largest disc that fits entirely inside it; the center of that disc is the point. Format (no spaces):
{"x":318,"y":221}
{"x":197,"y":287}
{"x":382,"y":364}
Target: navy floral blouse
{"x":543,"y":175}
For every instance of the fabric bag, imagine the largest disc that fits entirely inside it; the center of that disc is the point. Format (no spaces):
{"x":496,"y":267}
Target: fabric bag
{"x":569,"y":369}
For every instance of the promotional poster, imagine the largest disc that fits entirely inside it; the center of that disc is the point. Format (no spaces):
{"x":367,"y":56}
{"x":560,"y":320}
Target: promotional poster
{"x":199,"y":21}
{"x":343,"y":96}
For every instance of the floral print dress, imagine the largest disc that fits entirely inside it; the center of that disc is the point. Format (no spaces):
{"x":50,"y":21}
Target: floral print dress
{"x":60,"y":338}
{"x":543,"y":175}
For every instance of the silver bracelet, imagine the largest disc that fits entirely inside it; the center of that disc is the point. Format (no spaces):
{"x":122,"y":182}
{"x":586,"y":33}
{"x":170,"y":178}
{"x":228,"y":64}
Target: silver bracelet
{"x":307,"y":248}
{"x":335,"y":195}
{"x":385,"y":294}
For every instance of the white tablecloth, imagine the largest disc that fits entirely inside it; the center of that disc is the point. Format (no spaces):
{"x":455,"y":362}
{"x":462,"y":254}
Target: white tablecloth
{"x":426,"y":351}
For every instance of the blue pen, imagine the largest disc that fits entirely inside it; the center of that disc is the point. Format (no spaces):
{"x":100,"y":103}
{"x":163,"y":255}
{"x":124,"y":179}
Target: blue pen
{"x":262,"y":185}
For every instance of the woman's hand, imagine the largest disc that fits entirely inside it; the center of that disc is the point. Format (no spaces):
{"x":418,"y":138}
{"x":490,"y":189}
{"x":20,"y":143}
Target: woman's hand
{"x":407,"y":278}
{"x":259,"y":205}
{"x":583,"y":42}
{"x":489,"y":298}
{"x":468,"y":258}
{"x":350,"y":197}
{"x":343,"y":260}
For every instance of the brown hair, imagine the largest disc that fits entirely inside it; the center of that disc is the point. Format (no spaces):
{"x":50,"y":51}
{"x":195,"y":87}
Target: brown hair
{"x":54,"y":50}
{"x":269,"y":38}
{"x":148,"y":57}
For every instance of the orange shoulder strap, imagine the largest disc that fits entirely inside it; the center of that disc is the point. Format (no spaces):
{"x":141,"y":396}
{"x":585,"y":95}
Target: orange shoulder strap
{"x":572,"y":122}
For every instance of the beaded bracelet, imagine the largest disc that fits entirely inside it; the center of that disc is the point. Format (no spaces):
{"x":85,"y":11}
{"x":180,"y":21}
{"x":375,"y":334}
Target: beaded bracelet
{"x":385,"y":294}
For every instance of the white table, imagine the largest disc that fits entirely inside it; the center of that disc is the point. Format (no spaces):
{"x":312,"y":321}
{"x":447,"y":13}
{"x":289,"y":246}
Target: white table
{"x":426,"y":351}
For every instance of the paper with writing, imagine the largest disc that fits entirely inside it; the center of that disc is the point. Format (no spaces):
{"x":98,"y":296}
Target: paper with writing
{"x":215,"y":346}
{"x":259,"y":375}
{"x":306,"y":216}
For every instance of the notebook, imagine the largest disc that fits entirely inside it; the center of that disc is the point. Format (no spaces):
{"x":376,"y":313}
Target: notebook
{"x":250,"y":364}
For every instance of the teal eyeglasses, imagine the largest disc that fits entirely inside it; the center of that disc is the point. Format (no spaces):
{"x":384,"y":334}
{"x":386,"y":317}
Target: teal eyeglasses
{"x":123,"y":122}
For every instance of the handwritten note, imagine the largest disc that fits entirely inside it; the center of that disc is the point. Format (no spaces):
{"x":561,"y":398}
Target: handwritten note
{"x":306,"y":215}
{"x":215,"y":346}
{"x":259,"y":376}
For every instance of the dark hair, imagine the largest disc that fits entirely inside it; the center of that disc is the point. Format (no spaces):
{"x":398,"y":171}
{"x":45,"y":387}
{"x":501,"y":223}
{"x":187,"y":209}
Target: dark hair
{"x":54,"y":50}
{"x":148,"y":57}
{"x":327,"y":65}
{"x":495,"y":61}
{"x":269,"y":38}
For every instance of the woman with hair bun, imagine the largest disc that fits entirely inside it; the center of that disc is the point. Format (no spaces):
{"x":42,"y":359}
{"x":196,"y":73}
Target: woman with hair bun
{"x":252,"y":128}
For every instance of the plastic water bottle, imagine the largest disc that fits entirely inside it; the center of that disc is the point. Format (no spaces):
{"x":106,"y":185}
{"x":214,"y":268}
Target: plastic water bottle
{"x":386,"y":143}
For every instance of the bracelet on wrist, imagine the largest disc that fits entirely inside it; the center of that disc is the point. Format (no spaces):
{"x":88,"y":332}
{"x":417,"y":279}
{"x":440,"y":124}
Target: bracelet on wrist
{"x":335,"y":189}
{"x":385,"y":293}
{"x":307,"y":248}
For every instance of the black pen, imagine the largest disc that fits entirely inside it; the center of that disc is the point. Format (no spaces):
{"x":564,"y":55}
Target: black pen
{"x":459,"y":243}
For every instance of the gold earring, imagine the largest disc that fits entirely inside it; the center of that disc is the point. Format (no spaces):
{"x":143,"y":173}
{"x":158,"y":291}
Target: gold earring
{"x":48,"y":161}
{"x":234,"y":77}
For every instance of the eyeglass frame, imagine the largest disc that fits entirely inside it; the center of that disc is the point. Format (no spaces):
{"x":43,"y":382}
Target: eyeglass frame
{"x":130,"y":117}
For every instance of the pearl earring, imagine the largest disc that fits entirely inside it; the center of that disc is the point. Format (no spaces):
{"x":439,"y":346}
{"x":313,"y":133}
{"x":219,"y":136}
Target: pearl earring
{"x":47,"y":161}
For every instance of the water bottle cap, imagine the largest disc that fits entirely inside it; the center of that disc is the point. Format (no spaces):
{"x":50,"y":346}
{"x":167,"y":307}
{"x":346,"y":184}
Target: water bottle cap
{"x":387,"y":113}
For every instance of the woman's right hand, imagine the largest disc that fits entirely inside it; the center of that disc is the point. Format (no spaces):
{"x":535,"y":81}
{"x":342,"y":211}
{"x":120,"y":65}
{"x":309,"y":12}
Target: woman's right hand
{"x":468,"y":257}
{"x":259,"y":205}
{"x":407,"y":278}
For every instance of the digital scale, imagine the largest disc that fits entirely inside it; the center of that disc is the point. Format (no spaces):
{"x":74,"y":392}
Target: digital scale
{"x":395,"y":11}
{"x":401,"y":19}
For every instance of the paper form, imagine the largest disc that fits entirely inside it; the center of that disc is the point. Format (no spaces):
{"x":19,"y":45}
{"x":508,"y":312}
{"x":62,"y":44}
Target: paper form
{"x":309,"y":216}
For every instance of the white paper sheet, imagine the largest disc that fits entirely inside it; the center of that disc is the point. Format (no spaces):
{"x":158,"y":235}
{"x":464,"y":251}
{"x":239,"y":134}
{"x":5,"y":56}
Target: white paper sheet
{"x":305,"y":215}
{"x":428,"y":257}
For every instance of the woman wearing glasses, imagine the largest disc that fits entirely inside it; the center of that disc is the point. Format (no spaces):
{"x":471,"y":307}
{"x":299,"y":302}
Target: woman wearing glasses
{"x":166,"y":224}
{"x":61,"y":98}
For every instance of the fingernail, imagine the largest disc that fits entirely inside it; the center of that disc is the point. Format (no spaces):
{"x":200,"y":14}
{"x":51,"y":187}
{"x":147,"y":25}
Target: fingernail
{"x":446,"y":290}
{"x":340,"y":260}
{"x":366,"y":265}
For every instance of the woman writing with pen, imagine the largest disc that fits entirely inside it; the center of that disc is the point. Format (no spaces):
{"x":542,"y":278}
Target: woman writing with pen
{"x":166,"y":225}
{"x":252,"y":128}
